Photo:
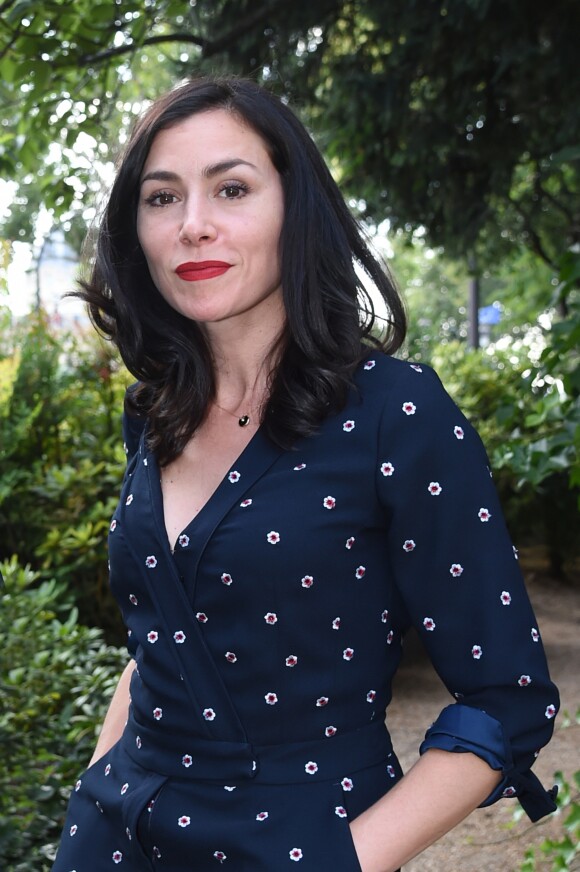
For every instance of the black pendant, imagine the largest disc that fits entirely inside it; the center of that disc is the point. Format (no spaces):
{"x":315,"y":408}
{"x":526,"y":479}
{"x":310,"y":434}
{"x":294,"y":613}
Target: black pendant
{"x":244,"y":420}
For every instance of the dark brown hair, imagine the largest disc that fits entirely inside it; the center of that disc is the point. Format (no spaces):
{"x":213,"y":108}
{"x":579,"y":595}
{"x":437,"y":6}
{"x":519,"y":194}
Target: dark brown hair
{"x":325,"y":333}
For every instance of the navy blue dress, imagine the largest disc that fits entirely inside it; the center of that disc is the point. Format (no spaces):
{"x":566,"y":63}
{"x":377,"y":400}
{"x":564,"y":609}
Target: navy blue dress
{"x":267,"y":643}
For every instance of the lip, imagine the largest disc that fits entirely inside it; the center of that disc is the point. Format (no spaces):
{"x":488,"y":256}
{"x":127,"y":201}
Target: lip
{"x":195,"y":271}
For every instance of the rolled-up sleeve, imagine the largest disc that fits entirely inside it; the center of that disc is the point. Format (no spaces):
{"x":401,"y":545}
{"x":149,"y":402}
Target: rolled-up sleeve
{"x":458,"y":575}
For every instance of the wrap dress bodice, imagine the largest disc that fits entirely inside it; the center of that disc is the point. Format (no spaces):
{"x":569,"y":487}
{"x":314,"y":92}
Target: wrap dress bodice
{"x":266,"y":643}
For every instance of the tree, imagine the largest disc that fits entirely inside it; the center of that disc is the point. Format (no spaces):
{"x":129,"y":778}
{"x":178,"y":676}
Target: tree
{"x":73,"y":77}
{"x":457,"y":115}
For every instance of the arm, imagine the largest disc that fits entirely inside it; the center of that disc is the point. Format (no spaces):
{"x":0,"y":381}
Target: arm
{"x":454,"y":566}
{"x":116,"y":716}
{"x":439,"y":791}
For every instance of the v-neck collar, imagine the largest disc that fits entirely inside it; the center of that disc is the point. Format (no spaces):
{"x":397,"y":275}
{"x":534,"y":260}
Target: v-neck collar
{"x":254,"y":460}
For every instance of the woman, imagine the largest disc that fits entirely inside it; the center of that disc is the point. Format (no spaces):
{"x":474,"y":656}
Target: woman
{"x":294,"y":499}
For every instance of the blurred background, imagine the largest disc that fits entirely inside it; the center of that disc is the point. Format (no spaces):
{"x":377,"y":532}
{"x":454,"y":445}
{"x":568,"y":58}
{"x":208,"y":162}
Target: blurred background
{"x":453,"y":129}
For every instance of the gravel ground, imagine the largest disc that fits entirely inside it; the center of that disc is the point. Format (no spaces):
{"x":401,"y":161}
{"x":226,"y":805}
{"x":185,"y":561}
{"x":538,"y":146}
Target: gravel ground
{"x":488,"y":841}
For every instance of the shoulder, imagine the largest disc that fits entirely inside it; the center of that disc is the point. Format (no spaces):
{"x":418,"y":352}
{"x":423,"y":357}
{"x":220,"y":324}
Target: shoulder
{"x":133,"y":422}
{"x":389,"y":380}
{"x":414,"y":411}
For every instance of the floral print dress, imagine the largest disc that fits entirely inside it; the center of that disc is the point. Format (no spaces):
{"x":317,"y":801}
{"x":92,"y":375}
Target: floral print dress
{"x":266,"y":644}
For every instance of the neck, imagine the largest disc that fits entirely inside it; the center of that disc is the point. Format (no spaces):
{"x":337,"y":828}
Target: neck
{"x":238,"y":381}
{"x":243,"y":356}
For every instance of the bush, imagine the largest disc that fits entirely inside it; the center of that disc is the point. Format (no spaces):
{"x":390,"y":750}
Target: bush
{"x":563,"y":853}
{"x":56,"y":679}
{"x":61,"y":463}
{"x":528,"y":414}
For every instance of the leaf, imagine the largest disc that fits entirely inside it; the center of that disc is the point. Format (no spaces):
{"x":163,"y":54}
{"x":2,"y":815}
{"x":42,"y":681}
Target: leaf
{"x":571,"y":152}
{"x":19,"y":10}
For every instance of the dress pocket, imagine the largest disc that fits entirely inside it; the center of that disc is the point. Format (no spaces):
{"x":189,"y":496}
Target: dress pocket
{"x":350,"y":863}
{"x":137,"y":809}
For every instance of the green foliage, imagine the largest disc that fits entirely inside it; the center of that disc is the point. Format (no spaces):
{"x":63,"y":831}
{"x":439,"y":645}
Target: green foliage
{"x":528,"y":414}
{"x":475,"y":140}
{"x":61,"y":463}
{"x":562,"y":853}
{"x":547,"y":443}
{"x":435,"y":288}
{"x":435,"y":293}
{"x":4,"y":264}
{"x":488,"y":384}
{"x":433,"y":128}
{"x":65,"y":112}
{"x":522,"y":391}
{"x":56,"y":679}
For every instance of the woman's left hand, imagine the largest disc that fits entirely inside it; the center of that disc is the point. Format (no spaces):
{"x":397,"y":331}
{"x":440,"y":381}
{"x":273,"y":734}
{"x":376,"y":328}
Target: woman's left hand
{"x":439,"y":791}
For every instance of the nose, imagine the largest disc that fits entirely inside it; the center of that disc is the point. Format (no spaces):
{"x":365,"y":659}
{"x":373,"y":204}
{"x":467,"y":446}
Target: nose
{"x":197,"y":224}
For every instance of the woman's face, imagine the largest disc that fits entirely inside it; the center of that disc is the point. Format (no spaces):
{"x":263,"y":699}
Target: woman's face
{"x":209,"y":220}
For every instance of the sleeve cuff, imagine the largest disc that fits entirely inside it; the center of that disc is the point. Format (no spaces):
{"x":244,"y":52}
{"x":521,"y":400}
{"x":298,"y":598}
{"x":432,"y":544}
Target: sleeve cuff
{"x":461,"y":728}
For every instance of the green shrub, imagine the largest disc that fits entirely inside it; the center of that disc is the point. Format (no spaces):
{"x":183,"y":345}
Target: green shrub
{"x":56,"y":679}
{"x":563,"y":852}
{"x":528,"y":414}
{"x":61,"y":463}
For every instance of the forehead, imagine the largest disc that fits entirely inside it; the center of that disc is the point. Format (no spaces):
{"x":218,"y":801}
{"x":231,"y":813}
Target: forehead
{"x":208,"y":136}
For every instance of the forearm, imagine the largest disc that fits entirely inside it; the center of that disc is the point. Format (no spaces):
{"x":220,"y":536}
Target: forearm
{"x":439,"y":791}
{"x":116,"y":716}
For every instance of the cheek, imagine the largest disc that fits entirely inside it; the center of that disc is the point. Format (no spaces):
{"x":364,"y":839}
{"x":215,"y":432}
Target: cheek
{"x":149,"y":262}
{"x":272,"y":235}
{"x":139,"y":227}
{"x":152,"y":263}
{"x":142,"y":240}
{"x":148,"y":247}
{"x":148,"y":233}
{"x":277,"y":228}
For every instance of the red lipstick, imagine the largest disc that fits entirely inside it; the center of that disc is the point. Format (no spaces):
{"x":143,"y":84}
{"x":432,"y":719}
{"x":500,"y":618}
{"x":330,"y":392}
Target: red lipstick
{"x":195,"y":271}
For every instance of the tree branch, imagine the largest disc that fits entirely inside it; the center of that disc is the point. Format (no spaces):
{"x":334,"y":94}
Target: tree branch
{"x":242,"y":27}
{"x":6,"y":6}
{"x":556,"y":203}
{"x":9,"y":44}
{"x":536,"y":243}
{"x":99,"y":57}
{"x":208,"y":47}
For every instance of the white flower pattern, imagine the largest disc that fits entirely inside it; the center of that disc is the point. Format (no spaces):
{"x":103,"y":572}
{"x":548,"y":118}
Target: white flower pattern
{"x":307,"y":591}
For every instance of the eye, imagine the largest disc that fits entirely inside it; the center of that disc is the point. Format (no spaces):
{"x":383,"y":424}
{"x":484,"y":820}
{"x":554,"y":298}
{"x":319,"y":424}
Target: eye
{"x":160,"y":198}
{"x":233,"y":190}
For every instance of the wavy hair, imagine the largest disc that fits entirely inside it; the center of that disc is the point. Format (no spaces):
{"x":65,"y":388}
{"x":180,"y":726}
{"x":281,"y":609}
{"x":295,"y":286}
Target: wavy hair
{"x":330,"y":317}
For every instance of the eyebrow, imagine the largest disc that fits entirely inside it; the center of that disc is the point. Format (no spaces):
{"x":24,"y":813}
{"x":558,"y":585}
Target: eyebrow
{"x":208,"y":172}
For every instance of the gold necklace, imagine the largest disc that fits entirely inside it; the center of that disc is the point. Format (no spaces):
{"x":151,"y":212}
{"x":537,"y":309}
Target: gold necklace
{"x":243,"y":420}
